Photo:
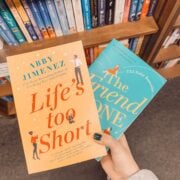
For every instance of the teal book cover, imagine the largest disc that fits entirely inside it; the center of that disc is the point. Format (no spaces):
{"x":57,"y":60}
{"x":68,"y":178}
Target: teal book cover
{"x":123,"y":86}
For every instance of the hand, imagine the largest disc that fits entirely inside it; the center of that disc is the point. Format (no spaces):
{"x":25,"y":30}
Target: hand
{"x":119,"y":164}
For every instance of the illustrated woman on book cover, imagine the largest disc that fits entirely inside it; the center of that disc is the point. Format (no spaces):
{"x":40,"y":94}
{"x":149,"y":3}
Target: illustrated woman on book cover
{"x":34,"y":138}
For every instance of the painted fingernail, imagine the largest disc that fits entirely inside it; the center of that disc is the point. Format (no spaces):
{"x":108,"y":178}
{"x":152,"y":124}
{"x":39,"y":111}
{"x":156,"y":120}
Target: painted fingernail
{"x":97,"y":136}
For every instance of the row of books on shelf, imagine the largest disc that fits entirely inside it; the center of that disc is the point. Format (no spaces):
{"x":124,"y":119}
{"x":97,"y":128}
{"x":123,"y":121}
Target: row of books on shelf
{"x":29,"y":20}
{"x":168,"y":63}
{"x":173,"y":38}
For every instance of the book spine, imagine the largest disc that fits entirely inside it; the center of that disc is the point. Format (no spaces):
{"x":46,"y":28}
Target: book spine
{"x":152,"y":7}
{"x":139,"y":9}
{"x":46,"y":19}
{"x":91,"y":54}
{"x":25,"y":20}
{"x":37,"y":16}
{"x":94,"y":13}
{"x":145,"y":8}
{"x":54,"y":17}
{"x":175,"y":35}
{"x":101,"y":12}
{"x":7,"y":35}
{"x":29,"y":13}
{"x":86,"y":13}
{"x":10,"y":21}
{"x":78,"y":15}
{"x":172,"y":63}
{"x":133,"y":9}
{"x":70,"y":16}
{"x":126,"y":10}
{"x":62,"y":16}
{"x":18,"y":20}
{"x":109,"y":15}
{"x":1,"y":42}
{"x":139,"y":44}
{"x":119,"y":11}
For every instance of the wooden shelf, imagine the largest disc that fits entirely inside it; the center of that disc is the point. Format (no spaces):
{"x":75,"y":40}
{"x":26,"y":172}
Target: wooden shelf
{"x":5,"y":89}
{"x":170,"y":72}
{"x":177,"y":23}
{"x":164,"y":54}
{"x":7,"y":108}
{"x":90,"y":38}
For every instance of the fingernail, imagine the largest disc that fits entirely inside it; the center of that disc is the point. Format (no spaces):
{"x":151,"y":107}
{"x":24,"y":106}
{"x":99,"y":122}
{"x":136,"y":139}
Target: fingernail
{"x":97,"y":136}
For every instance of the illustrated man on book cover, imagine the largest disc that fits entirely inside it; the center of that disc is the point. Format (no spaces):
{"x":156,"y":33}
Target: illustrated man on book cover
{"x":77,"y":63}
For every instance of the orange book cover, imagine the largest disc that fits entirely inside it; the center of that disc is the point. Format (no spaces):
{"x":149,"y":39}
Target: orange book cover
{"x":145,"y":8}
{"x":126,"y":10}
{"x":51,"y":87}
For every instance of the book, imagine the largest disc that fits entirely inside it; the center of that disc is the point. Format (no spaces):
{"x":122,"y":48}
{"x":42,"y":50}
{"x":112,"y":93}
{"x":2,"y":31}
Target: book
{"x":56,"y":123}
{"x":139,"y":9}
{"x":126,"y":10}
{"x":123,"y":85}
{"x":119,"y":11}
{"x":61,"y":11}
{"x":152,"y":7}
{"x":94,"y":13}
{"x":37,"y":16}
{"x":10,"y":21}
{"x":70,"y":16}
{"x":18,"y":20}
{"x":133,"y":10}
{"x":145,"y":8}
{"x":139,"y":44}
{"x":54,"y":17}
{"x":3,"y":70}
{"x":101,"y":12}
{"x":6,"y":34}
{"x":30,"y":15}
{"x":86,"y":14}
{"x":109,"y":15}
{"x":77,"y":9}
{"x":25,"y":19}
{"x":46,"y":19}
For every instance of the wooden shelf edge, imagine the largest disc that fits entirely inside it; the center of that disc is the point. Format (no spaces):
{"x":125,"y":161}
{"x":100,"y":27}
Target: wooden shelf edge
{"x":5,"y":89}
{"x":170,"y":72}
{"x":177,"y":23}
{"x":164,"y":54}
{"x":97,"y":36}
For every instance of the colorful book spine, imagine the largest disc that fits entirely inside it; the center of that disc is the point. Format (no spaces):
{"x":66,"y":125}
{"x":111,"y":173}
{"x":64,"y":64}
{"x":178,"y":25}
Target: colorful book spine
{"x":133,"y":44}
{"x":1,"y":42}
{"x":54,"y":17}
{"x":25,"y":19}
{"x":70,"y":16}
{"x":6,"y":33}
{"x":37,"y":16}
{"x":62,"y":16}
{"x":18,"y":20}
{"x":94,"y":13}
{"x":78,"y":15}
{"x":139,"y":45}
{"x":86,"y":14}
{"x":133,"y":9}
{"x":145,"y":8}
{"x":152,"y":7}
{"x":101,"y":12}
{"x":46,"y":19}
{"x":10,"y":21}
{"x":119,"y":11}
{"x":109,"y":15}
{"x":139,"y":9}
{"x":4,"y":37}
{"x":126,"y":10}
{"x":29,"y":13}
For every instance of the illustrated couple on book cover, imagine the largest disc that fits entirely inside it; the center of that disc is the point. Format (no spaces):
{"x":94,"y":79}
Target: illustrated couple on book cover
{"x":65,"y":103}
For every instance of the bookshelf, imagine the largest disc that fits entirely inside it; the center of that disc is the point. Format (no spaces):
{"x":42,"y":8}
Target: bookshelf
{"x":169,"y":19}
{"x":97,"y":36}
